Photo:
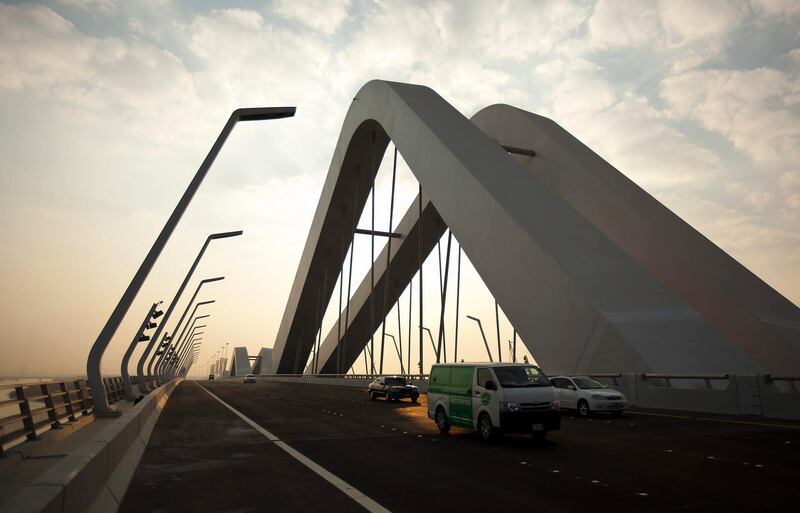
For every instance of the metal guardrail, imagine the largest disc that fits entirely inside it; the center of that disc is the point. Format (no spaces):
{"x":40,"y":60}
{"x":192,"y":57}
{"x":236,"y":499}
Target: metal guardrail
{"x":417,"y":377}
{"x":40,"y":406}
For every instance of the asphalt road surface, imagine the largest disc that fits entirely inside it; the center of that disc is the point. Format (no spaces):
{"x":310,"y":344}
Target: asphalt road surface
{"x":202,"y":457}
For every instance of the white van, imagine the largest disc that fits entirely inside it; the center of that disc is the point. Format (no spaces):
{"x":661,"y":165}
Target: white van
{"x":493,"y":398}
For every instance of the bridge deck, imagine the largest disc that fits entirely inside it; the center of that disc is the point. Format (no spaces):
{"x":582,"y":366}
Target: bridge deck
{"x":202,"y":457}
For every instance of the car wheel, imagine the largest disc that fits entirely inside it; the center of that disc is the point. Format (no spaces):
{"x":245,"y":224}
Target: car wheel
{"x":441,"y":420}
{"x":414,"y":398}
{"x":486,"y":431}
{"x":373,"y":396}
{"x":539,"y":436}
{"x":583,"y":408}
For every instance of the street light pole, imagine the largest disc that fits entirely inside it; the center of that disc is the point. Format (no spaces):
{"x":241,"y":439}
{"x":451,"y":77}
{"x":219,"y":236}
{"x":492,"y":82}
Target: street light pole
{"x":485,"y":342}
{"x":180,"y":323}
{"x":138,"y":337}
{"x":399,"y":354}
{"x":98,"y":389}
{"x":213,"y":236}
{"x":175,"y":341}
{"x":169,"y":367}
{"x":431,"y":337}
{"x":181,"y":362}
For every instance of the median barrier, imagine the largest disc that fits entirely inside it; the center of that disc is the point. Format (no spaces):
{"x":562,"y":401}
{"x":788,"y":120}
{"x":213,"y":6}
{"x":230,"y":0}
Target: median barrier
{"x":755,"y":395}
{"x":348,"y":380}
{"x":94,"y":477}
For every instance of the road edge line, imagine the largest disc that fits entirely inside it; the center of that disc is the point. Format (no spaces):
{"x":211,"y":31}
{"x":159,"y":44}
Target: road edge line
{"x":351,"y":491}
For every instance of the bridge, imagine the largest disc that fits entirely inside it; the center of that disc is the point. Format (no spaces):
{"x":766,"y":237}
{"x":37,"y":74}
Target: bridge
{"x":596,"y":277}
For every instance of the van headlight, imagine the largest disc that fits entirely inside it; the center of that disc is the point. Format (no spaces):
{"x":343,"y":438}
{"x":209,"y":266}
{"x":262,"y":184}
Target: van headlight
{"x":555,"y":405}
{"x":511,"y":407}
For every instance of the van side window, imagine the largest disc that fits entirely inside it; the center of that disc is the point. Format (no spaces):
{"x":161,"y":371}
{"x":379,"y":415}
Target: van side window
{"x":483,"y":376}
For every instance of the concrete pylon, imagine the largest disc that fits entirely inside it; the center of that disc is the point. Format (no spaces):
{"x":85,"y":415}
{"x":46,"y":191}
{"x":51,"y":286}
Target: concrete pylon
{"x":240,"y":363}
{"x":263,"y":364}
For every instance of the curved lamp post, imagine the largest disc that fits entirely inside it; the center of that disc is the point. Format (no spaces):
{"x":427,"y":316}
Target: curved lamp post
{"x":180,"y":351}
{"x":145,"y":354}
{"x":151,"y":370}
{"x":138,"y":337}
{"x":181,"y":338}
{"x":213,"y":236}
{"x":99,"y":397}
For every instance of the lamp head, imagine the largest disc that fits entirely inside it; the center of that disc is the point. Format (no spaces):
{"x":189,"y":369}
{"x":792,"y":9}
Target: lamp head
{"x":225,"y":235}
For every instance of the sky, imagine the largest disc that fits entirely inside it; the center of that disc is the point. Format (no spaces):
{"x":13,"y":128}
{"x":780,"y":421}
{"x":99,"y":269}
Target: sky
{"x":108,"y":107}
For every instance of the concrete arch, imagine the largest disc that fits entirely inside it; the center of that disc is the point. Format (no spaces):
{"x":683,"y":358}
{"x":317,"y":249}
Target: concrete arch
{"x":263,"y":363}
{"x":562,"y":282}
{"x":751,"y":314}
{"x":240,"y":363}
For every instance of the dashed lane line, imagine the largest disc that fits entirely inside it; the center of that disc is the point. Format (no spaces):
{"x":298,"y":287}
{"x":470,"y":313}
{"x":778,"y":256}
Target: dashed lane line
{"x":712,"y":419}
{"x":366,"y":502}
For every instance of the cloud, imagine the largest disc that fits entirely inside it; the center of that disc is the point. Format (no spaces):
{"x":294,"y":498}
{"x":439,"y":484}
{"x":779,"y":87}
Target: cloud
{"x":101,"y":6}
{"x":39,"y":48}
{"x":777,"y":7}
{"x":324,"y":16}
{"x":686,"y":21}
{"x":623,"y":24}
{"x":746,"y":107}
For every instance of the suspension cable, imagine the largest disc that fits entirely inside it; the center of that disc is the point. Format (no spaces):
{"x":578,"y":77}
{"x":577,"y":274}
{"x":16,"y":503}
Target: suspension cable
{"x":388,"y":261}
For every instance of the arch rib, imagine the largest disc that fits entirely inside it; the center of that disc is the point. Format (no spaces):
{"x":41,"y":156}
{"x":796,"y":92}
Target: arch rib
{"x":565,"y":285}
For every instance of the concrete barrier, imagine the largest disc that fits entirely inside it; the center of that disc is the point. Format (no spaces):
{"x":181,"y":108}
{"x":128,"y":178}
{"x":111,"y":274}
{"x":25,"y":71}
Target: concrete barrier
{"x":354,"y":382}
{"x":767,"y":396}
{"x":94,"y":477}
{"x":755,"y":395}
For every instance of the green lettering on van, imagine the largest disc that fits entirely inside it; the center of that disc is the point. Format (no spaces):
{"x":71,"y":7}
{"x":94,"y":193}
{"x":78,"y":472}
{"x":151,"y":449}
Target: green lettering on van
{"x":455,"y":382}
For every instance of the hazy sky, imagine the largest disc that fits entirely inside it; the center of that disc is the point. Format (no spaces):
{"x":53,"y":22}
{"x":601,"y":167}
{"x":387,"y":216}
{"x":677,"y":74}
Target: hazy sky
{"x":107,"y":108}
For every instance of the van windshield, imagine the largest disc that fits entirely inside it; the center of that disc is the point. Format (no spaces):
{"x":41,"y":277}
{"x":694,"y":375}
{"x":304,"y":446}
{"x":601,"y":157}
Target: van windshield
{"x":521,"y":376}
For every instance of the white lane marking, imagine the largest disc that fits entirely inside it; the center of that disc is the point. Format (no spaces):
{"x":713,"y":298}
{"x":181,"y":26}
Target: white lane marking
{"x":349,"y":490}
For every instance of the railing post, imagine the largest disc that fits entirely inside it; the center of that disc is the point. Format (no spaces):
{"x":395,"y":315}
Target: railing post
{"x":25,"y":411}
{"x":81,"y":397}
{"x":51,"y":408}
{"x":67,"y":400}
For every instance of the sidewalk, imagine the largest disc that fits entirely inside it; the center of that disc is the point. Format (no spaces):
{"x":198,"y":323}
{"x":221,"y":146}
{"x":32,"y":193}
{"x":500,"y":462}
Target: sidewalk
{"x":21,"y":465}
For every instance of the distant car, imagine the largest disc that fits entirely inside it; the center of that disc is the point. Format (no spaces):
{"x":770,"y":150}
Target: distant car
{"x":210,"y":376}
{"x":250,"y":378}
{"x":393,"y":388}
{"x":587,"y":395}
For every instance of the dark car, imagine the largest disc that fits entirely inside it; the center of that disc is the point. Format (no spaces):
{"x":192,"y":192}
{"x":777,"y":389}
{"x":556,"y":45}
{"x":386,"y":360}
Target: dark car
{"x":393,"y":388}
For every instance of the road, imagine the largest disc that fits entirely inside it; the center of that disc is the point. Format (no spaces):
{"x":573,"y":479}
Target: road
{"x":202,"y":457}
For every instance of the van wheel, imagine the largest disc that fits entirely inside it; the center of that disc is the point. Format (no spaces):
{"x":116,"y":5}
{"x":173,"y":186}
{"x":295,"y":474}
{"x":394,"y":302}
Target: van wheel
{"x":441,"y":420}
{"x":583,"y":408}
{"x":486,"y":431}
